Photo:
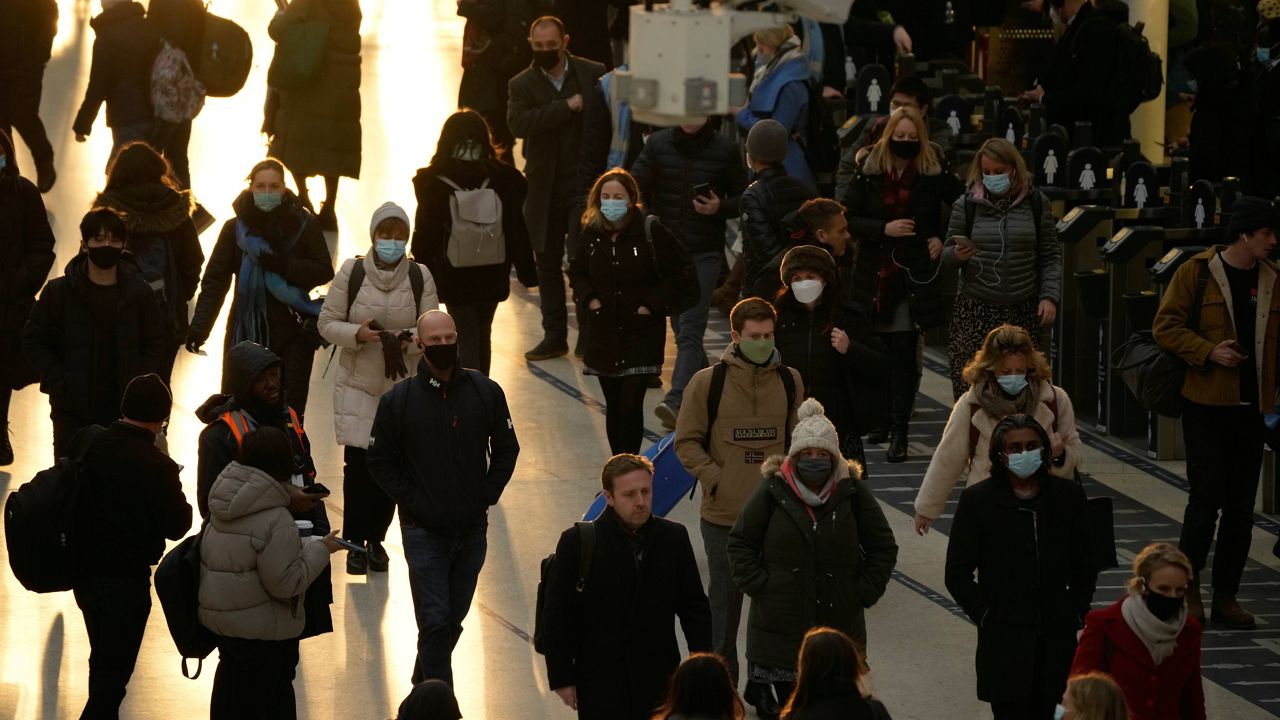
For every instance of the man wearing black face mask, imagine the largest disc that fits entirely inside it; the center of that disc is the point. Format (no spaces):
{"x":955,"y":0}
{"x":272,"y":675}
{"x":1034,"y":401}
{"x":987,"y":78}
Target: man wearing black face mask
{"x":545,"y":109}
{"x":443,"y":447}
{"x":93,"y":330}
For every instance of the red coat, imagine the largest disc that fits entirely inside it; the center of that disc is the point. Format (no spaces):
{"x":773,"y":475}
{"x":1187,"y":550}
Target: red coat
{"x":1169,"y":691}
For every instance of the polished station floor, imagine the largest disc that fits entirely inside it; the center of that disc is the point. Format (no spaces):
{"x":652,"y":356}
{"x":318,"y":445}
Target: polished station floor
{"x":921,"y":646}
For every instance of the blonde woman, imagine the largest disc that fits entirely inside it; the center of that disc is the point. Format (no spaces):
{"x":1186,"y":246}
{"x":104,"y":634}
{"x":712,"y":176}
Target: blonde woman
{"x":1148,"y":641}
{"x":1004,"y":240}
{"x":894,"y":205}
{"x":1093,"y":697}
{"x":1007,"y":376}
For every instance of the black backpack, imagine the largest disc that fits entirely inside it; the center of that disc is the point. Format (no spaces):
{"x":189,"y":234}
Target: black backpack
{"x":1138,"y":75}
{"x":587,"y":543}
{"x":225,"y":57}
{"x":822,"y":144}
{"x":177,"y":581}
{"x":42,"y":521}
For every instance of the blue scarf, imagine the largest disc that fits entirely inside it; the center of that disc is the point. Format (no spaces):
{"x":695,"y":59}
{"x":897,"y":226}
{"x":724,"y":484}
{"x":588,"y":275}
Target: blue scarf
{"x":252,"y":287}
{"x":764,"y":96}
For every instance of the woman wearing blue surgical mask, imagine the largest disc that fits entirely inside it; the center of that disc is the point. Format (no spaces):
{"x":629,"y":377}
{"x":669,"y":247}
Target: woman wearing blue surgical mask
{"x":1007,"y":376}
{"x":1022,"y":533}
{"x":1004,"y":240}
{"x":370,"y":314}
{"x":275,"y":253}
{"x":624,"y":276}
{"x":466,"y":166}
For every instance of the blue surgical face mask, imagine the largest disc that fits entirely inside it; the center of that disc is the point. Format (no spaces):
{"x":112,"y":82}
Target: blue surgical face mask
{"x":1059,"y":712}
{"x":997,"y":184}
{"x":389,"y":251}
{"x":1264,"y":55}
{"x":1025,"y":464}
{"x":266,"y":202}
{"x":614,"y":209}
{"x":1012,"y":384}
{"x":4,"y":162}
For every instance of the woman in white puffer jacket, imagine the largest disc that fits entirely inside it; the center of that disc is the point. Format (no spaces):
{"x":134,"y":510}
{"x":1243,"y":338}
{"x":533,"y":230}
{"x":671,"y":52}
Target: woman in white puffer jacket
{"x":383,"y":313}
{"x":254,"y":573}
{"x":1007,"y":376}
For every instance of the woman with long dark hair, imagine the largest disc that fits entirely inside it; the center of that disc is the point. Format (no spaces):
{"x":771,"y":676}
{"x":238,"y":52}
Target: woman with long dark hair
{"x":466,"y":161}
{"x":163,"y":240}
{"x":701,"y":689}
{"x":829,"y":681}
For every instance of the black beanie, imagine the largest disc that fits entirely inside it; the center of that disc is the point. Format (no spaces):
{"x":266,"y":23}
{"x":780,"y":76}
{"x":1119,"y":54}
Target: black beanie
{"x":1250,"y":213}
{"x":146,"y":399}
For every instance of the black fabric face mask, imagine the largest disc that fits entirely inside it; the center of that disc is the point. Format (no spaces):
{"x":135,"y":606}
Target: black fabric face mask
{"x":441,"y":357}
{"x":546,"y":59}
{"x":105,"y":257}
{"x":1165,"y":608}
{"x":905,"y":149}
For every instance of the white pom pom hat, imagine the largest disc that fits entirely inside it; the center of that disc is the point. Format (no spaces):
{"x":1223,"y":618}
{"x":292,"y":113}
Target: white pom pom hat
{"x":814,"y":430}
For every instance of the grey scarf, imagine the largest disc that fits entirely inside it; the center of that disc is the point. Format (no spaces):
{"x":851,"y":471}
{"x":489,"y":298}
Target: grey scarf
{"x":999,"y":406}
{"x":1161,"y":638}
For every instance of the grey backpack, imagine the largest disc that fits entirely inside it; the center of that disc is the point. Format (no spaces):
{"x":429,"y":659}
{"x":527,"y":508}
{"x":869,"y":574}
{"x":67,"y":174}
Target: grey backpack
{"x":475,"y":234}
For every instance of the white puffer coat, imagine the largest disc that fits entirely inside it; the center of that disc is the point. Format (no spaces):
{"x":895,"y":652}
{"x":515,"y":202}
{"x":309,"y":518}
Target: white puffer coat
{"x":254,"y":569}
{"x":385,"y":296}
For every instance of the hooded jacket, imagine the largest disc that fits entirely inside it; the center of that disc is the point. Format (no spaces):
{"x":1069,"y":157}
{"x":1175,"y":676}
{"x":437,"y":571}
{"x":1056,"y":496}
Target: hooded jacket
{"x":60,"y":340}
{"x":803,"y":572}
{"x":164,"y":243}
{"x":120,"y":74}
{"x":26,"y":255}
{"x":254,"y":568}
{"x":955,"y":456}
{"x":387,"y":297}
{"x":1012,"y":265}
{"x":752,"y":423}
{"x":443,"y":450}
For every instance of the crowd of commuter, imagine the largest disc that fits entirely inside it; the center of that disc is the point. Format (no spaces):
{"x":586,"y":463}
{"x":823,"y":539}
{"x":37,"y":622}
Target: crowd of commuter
{"x":833,"y":280}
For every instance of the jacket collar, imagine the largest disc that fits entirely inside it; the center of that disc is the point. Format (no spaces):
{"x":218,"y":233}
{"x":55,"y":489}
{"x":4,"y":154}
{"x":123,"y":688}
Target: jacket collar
{"x":1111,"y":621}
{"x":435,"y":385}
{"x":731,"y":358}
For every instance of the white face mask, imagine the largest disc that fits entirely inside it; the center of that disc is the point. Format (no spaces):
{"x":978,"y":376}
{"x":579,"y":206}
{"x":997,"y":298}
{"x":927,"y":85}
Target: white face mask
{"x":807,"y":291}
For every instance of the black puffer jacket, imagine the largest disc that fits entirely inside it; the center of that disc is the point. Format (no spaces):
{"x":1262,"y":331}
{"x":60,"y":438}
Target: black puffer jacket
{"x":300,"y":248}
{"x":672,"y":164}
{"x":26,"y":255}
{"x":444,"y":451}
{"x":844,"y":384}
{"x":164,"y":243}
{"x":765,"y":202}
{"x":864,"y":206}
{"x":620,"y":272}
{"x":120,"y":75}
{"x":1034,"y":580}
{"x":61,"y":343}
{"x":432,"y":223}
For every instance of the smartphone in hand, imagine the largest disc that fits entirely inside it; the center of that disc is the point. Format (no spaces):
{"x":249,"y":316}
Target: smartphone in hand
{"x":350,"y":545}
{"x":703,"y":190}
{"x":316,"y":489}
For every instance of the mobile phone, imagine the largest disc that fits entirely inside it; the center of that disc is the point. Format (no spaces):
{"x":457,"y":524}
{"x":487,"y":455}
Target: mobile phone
{"x":964,"y":241}
{"x":350,"y":545}
{"x":703,"y":190}
{"x":316,"y":489}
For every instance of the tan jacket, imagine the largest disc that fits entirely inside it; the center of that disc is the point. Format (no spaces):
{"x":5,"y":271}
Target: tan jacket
{"x":751,"y":425}
{"x":254,"y":569}
{"x":385,"y":296}
{"x":1209,"y":383}
{"x":952,"y":458}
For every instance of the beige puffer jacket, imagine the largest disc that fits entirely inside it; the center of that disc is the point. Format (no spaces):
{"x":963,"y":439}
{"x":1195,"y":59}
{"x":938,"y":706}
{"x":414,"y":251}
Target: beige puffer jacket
{"x":385,"y":296}
{"x":254,"y":569}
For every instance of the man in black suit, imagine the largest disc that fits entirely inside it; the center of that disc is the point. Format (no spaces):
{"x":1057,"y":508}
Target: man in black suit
{"x":611,"y":641}
{"x":545,"y":110}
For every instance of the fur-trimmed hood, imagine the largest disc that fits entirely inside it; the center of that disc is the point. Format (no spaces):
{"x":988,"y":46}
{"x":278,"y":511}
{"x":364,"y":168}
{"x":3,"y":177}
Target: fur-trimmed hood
{"x":868,"y":160}
{"x":150,"y":208}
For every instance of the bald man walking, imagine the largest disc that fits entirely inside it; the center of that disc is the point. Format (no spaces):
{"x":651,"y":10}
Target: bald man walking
{"x":443,"y":447}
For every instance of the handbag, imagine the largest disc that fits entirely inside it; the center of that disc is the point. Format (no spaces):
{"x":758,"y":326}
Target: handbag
{"x":687,"y":290}
{"x":299,"y":56}
{"x":1155,"y":375}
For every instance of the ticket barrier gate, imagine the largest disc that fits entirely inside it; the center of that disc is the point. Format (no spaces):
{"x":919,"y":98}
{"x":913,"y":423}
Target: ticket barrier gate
{"x":1073,"y":348}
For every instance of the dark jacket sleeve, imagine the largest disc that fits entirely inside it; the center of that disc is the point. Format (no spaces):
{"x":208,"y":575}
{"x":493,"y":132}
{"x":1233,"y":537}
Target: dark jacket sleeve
{"x":845,"y":172}
{"x":1090,"y":60}
{"x":37,"y":244}
{"x":868,"y":354}
{"x":597,"y":135}
{"x":217,"y":450}
{"x":40,"y":342}
{"x":1049,"y":254}
{"x":757,"y":232}
{"x":560,"y":632}
{"x":735,"y":182}
{"x":224,"y":263}
{"x":167,"y":504}
{"x":670,"y":268}
{"x":309,"y":264}
{"x":503,"y":446}
{"x":526,"y":117}
{"x":879,"y":549}
{"x":188,"y":259}
{"x":429,"y":231}
{"x":488,"y":14}
{"x":746,"y":542}
{"x":153,"y":329}
{"x":580,"y":274}
{"x":383,"y":457}
{"x":861,"y":226}
{"x":642,"y":170}
{"x":691,"y":604}
{"x":964,"y":551}
{"x":516,"y":232}
{"x":1084,"y":572}
{"x":100,"y":72}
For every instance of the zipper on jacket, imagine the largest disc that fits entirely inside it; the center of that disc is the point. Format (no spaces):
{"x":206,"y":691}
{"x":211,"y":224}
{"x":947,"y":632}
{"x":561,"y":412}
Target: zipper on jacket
{"x":1035,"y":537}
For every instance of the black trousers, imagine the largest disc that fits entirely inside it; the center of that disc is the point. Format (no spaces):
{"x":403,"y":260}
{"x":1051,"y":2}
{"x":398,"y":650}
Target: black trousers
{"x":1224,"y":458}
{"x":624,"y":411}
{"x":904,"y":376}
{"x":254,"y":680}
{"x":115,"y":615}
{"x":20,"y":110}
{"x":368,"y":508}
{"x":551,"y":292}
{"x":475,"y":325}
{"x":172,"y":139}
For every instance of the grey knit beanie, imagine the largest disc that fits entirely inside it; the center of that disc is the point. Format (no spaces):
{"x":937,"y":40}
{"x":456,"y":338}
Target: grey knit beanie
{"x":767,"y":142}
{"x":387,"y":211}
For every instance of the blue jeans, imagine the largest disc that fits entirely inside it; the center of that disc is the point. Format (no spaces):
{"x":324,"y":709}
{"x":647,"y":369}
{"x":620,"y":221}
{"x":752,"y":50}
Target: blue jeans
{"x":442,"y":577}
{"x":690,"y":326}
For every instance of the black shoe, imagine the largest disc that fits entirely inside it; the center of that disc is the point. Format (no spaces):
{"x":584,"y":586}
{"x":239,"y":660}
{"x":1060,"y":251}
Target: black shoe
{"x":357,"y":562}
{"x":877,"y":436}
{"x":378,"y":559}
{"x":548,"y":349}
{"x":327,"y":217}
{"x":760,"y":697}
{"x":46,"y":176}
{"x":6,"y":450}
{"x":655,"y":382}
{"x":897,"y":446}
